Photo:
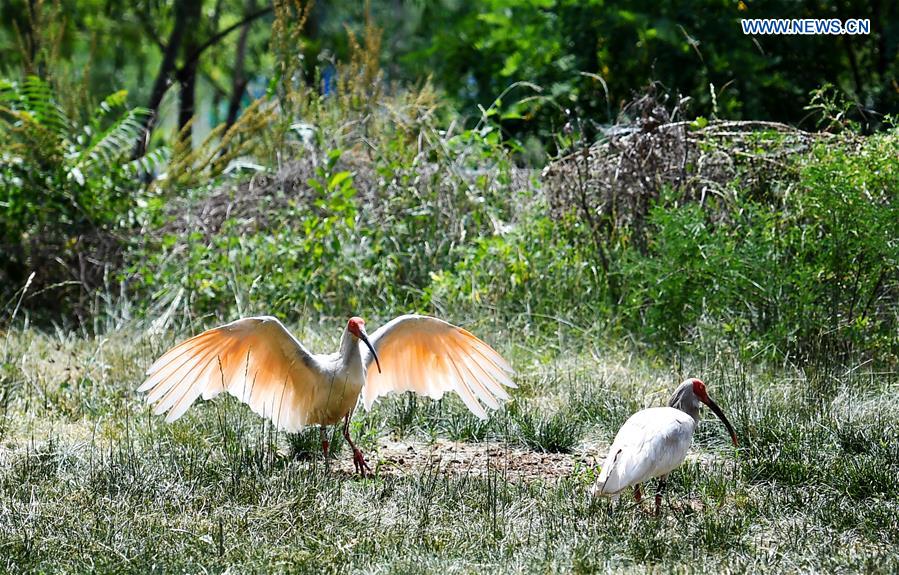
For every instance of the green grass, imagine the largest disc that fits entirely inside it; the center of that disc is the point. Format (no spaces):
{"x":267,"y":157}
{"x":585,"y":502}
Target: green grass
{"x":90,"y":481}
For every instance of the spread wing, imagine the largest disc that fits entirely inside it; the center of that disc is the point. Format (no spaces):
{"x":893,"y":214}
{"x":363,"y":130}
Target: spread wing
{"x":430,"y":357}
{"x":254,"y":359}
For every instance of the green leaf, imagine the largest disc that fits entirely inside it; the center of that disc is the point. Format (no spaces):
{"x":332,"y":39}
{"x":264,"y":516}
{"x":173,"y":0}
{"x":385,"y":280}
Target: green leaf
{"x":699,"y":123}
{"x":338,"y":179}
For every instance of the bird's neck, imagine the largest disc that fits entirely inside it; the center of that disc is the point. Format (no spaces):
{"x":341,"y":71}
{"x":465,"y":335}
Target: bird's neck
{"x":349,"y":349}
{"x":685,"y":402}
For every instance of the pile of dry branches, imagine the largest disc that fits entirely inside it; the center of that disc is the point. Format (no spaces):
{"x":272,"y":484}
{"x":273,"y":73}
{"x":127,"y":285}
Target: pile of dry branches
{"x":612,"y":184}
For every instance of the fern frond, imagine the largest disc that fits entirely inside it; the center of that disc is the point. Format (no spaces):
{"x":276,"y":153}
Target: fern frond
{"x":109,"y":146}
{"x":148,"y":163}
{"x":111,"y":102}
{"x":36,"y":139}
{"x":35,"y":96}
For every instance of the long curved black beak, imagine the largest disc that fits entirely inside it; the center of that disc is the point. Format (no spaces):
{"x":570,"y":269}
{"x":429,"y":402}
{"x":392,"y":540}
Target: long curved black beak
{"x":717,"y":411}
{"x":364,"y":337}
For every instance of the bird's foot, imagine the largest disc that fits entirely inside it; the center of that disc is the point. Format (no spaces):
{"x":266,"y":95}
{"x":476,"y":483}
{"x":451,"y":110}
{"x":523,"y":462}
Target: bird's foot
{"x":359,"y":462}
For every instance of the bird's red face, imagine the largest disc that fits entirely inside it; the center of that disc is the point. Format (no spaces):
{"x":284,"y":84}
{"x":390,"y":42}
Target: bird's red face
{"x":699,"y":390}
{"x":356,"y":326}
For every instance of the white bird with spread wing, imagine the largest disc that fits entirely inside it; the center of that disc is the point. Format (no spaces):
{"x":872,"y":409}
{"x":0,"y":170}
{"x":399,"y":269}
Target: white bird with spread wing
{"x":258,"y":361}
{"x":654,"y":441}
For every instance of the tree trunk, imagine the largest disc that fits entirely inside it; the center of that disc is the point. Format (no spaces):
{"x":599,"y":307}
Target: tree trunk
{"x":187,"y":75}
{"x":239,"y":79}
{"x":187,"y":81}
{"x":187,"y":17}
{"x":167,"y":67}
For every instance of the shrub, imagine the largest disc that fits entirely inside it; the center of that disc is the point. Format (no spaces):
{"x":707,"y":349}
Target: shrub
{"x":370,"y":198}
{"x":809,"y":268}
{"x":64,"y":189}
{"x":813,"y":272}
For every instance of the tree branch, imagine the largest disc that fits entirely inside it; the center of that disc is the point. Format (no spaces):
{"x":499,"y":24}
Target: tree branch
{"x":216,"y":38}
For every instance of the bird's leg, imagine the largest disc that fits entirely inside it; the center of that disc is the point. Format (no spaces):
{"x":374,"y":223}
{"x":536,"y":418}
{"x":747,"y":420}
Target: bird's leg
{"x":638,"y":495}
{"x":358,"y":460}
{"x":323,"y":433}
{"x":663,"y":483}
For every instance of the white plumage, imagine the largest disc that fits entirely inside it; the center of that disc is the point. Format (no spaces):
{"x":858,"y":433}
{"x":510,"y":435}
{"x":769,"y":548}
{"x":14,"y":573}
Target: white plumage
{"x":653,"y":442}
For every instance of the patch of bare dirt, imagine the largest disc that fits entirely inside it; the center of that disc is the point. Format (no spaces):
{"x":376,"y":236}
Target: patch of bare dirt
{"x":393,"y":458}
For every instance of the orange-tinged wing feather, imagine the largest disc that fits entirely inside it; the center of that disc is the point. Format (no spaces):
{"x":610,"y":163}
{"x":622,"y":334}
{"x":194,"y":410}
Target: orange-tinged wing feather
{"x":254,"y":359}
{"x":430,"y":357}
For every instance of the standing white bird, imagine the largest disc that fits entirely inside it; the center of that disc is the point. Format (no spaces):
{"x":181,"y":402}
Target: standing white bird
{"x":258,"y":361}
{"x":653,"y":442}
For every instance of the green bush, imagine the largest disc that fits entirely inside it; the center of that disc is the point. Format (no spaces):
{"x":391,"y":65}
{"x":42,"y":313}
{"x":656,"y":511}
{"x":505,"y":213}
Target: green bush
{"x":841,"y":262}
{"x":359,"y":234}
{"x":811,"y":271}
{"x":65,"y":185}
{"x":538,"y":271}
{"x":299,"y":259}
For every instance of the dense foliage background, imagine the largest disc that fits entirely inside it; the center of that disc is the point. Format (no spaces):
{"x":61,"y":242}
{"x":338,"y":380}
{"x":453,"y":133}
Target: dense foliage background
{"x":616,"y":195}
{"x":177,"y":159}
